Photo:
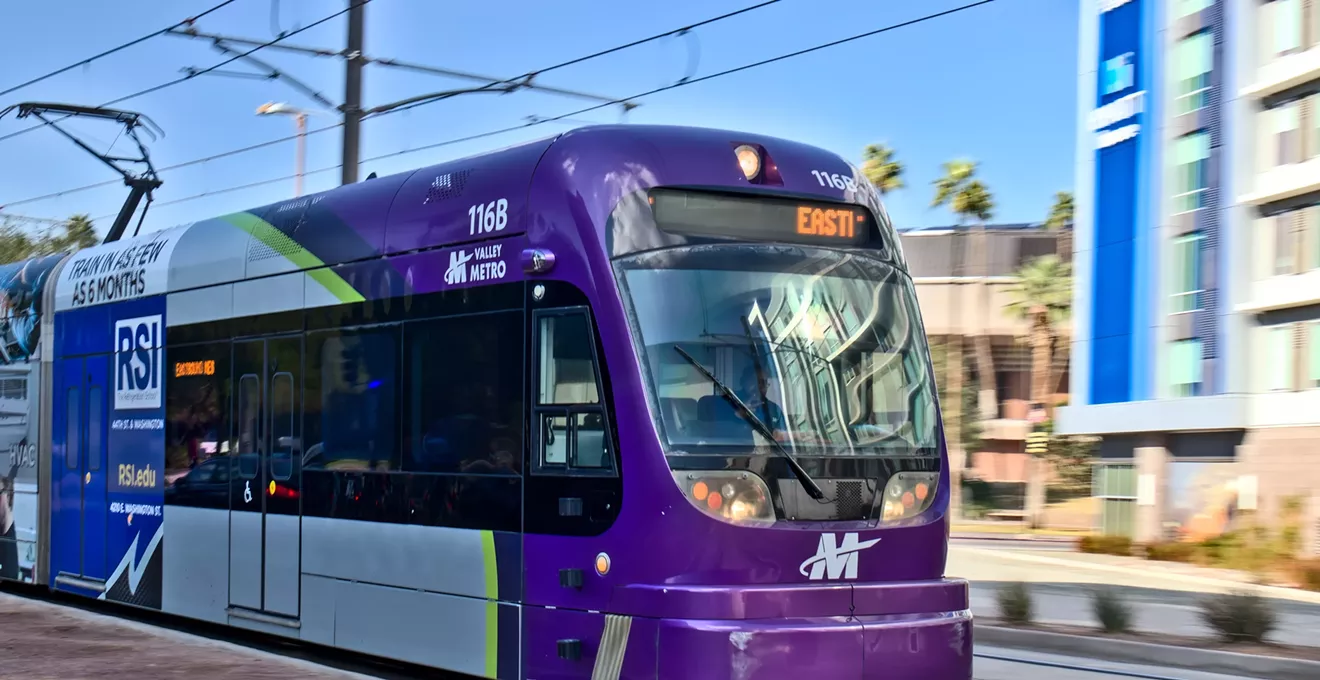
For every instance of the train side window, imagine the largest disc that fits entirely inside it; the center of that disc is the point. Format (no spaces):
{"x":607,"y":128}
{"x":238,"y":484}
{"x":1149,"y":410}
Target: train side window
{"x":249,"y":412}
{"x":72,"y":422}
{"x":95,"y":405}
{"x":283,"y":431}
{"x":350,"y":400}
{"x":572,"y":435}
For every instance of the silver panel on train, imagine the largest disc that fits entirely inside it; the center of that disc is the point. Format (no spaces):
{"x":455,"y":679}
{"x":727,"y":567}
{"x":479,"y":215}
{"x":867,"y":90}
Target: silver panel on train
{"x":245,"y":559}
{"x":282,"y":564}
{"x":438,"y":559}
{"x":196,"y":578}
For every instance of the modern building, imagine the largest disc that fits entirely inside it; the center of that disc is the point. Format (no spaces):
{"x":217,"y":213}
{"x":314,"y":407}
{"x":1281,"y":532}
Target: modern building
{"x":964,"y":278}
{"x":1197,"y":262}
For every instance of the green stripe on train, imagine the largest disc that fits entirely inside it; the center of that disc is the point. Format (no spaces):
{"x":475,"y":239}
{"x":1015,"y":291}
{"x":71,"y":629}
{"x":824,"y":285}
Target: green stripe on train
{"x":292,"y":251}
{"x":492,"y":604}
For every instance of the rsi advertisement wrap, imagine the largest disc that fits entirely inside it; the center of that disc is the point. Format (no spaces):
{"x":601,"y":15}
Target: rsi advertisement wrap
{"x":1123,"y":171}
{"x":136,"y":489}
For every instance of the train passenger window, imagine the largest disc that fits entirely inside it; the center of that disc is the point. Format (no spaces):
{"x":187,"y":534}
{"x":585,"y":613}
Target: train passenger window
{"x":351,"y":398}
{"x":282,"y":428}
{"x":95,"y":407}
{"x":464,"y":389}
{"x":572,"y":435}
{"x":568,"y":367}
{"x":249,"y":413}
{"x":72,"y":422}
{"x":197,"y":388}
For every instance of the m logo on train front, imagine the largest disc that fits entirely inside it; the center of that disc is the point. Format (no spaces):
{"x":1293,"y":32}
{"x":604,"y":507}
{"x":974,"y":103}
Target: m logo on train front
{"x":834,"y":560}
{"x":137,"y":363}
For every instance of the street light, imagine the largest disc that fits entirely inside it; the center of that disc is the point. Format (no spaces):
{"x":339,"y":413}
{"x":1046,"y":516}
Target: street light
{"x":300,"y":118}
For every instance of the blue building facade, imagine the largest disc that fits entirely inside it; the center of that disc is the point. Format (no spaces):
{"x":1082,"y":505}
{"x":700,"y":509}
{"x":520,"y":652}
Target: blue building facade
{"x":1154,"y":371}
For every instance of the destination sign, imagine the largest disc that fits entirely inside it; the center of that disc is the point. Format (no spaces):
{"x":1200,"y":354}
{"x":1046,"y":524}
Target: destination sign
{"x":183,"y":369}
{"x":755,"y":218}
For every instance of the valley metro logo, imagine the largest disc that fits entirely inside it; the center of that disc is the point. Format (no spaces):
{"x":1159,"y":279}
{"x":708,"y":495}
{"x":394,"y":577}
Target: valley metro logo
{"x":834,"y":561}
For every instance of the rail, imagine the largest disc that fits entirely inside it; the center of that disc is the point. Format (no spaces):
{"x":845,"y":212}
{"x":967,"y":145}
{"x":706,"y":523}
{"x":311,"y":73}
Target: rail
{"x":1073,"y":667}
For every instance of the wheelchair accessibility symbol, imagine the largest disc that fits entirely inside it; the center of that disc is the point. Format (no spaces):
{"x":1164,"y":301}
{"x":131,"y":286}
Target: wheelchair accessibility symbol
{"x":247,"y":492}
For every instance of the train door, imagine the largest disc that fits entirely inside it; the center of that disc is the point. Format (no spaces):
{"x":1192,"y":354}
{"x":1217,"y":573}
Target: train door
{"x":79,"y":432}
{"x":264,"y":526}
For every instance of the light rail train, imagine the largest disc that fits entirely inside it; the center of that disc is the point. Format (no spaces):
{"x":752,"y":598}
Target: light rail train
{"x":628,"y":402}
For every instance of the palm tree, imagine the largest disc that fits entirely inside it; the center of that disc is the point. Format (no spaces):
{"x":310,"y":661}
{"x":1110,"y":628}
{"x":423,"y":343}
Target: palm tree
{"x":968,"y":198}
{"x":1043,"y":297}
{"x":1061,"y":220}
{"x":881,"y":170}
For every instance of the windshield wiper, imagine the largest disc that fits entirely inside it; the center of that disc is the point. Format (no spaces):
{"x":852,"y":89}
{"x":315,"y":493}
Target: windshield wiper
{"x":746,"y":412}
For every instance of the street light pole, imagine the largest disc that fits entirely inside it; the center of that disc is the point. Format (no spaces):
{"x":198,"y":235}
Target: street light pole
{"x":300,"y":119}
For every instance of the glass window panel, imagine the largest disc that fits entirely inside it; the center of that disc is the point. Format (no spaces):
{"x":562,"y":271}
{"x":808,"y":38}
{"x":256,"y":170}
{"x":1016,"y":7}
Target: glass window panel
{"x":464,"y":389}
{"x":197,"y":389}
{"x":1183,"y":8}
{"x":351,"y":396}
{"x":1287,"y":25}
{"x":1279,"y":354}
{"x":1284,"y":242}
{"x":568,"y":371}
{"x":73,"y":421}
{"x":1314,"y":361}
{"x":95,"y":427}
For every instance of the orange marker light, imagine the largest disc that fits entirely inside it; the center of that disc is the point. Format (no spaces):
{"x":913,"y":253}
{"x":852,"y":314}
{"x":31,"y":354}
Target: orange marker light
{"x":700,"y":491}
{"x":714,"y":501}
{"x":922,"y":491}
{"x":602,"y":564}
{"x":908,"y":500}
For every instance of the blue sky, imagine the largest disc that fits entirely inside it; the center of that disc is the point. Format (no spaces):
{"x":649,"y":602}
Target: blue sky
{"x":996,"y":84}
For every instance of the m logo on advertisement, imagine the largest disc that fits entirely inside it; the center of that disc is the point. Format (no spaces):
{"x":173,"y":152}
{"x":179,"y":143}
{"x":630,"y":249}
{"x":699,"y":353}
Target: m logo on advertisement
{"x":833,"y":560}
{"x":137,"y":363}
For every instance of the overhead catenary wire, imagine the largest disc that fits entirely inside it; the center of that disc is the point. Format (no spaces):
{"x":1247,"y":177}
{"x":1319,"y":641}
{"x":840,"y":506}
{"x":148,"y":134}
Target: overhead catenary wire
{"x":333,"y":126}
{"x":193,"y":74}
{"x":118,"y":48}
{"x":571,"y":114}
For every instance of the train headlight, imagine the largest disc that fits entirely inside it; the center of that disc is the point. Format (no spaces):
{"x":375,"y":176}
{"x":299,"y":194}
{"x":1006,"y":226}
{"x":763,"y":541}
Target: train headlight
{"x":735,"y":496}
{"x":750,"y":161}
{"x":908,"y":494}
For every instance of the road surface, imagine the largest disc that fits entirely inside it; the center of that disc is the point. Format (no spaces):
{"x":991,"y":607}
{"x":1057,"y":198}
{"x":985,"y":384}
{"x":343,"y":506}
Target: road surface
{"x":989,"y":669}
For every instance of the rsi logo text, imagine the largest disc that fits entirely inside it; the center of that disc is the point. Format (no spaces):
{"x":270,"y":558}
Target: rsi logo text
{"x":138,"y":363}
{"x":833,"y":560}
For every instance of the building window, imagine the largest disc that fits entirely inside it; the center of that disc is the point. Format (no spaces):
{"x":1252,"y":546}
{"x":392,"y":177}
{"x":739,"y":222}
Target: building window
{"x":1191,"y":158}
{"x":1278,"y":358}
{"x":1182,"y":8}
{"x":1313,"y":363}
{"x":1287,"y":26}
{"x":1185,"y":368}
{"x":1311,"y":230}
{"x":1116,"y":487}
{"x":1287,"y":133}
{"x":1187,"y":273}
{"x":1285,"y":245}
{"x":1195,"y":59}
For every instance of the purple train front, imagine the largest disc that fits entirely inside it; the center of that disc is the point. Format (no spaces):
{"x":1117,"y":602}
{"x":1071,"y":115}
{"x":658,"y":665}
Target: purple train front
{"x":632,"y":402}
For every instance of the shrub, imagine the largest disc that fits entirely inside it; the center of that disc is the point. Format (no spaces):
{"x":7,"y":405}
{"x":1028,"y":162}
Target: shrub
{"x":1114,"y":615}
{"x":1171,"y":552}
{"x":1015,"y":605}
{"x":1239,"y":616}
{"x":1106,"y":545}
{"x":1309,"y":574}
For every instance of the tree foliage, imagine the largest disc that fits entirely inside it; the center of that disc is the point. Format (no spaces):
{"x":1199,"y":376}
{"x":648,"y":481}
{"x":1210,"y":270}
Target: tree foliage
{"x":1061,"y":213}
{"x":963,"y":193}
{"x":19,"y":243}
{"x":881,"y":169}
{"x":1043,"y":291}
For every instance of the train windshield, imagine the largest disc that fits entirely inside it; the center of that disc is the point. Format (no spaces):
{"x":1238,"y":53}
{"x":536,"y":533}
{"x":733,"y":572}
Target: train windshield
{"x":824,"y":347}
